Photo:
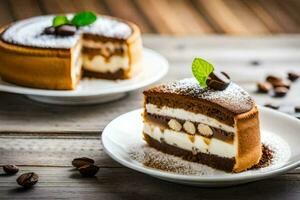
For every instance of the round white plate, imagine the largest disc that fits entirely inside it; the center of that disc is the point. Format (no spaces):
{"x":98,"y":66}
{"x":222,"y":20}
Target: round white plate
{"x":124,"y":132}
{"x":153,"y":67}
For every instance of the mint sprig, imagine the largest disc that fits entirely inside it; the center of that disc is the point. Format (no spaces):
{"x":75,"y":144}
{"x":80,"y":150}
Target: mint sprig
{"x":79,"y":19}
{"x":59,"y":20}
{"x":84,"y":18}
{"x":201,"y":70}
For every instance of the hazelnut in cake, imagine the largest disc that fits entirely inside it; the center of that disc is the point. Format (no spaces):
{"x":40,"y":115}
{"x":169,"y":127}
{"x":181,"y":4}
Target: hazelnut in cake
{"x":209,"y":120}
{"x":52,"y":52}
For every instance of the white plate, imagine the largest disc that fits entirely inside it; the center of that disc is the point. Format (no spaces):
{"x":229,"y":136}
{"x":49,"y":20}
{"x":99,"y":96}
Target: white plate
{"x":125,"y":132}
{"x":153,"y":67}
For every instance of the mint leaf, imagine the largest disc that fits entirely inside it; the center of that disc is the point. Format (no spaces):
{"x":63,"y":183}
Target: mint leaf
{"x":59,"y":20}
{"x":201,"y":70}
{"x":83,"y":18}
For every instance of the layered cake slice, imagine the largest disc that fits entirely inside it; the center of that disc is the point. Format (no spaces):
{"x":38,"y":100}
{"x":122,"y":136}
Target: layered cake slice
{"x":216,"y":125}
{"x":52,"y":52}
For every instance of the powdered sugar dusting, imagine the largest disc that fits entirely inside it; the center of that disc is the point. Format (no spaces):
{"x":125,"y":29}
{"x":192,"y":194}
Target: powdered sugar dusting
{"x":150,"y":157}
{"x":28,"y":32}
{"x":233,"y":98}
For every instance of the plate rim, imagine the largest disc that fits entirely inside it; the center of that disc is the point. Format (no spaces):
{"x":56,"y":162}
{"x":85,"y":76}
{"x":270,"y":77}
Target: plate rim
{"x":202,"y":179}
{"x":16,"y":89}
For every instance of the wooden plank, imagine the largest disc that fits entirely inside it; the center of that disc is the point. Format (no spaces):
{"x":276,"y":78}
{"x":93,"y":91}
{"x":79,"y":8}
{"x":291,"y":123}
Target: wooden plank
{"x":264,"y":16}
{"x":91,"y":5}
{"x":123,"y":183}
{"x":188,"y":16}
{"x":282,"y":17}
{"x":24,"y":9}
{"x":126,"y":9}
{"x":224,"y":17}
{"x":62,"y":118}
{"x":5,"y":13}
{"x":70,"y":6}
{"x":52,"y":151}
{"x":163,"y":15}
{"x":292,"y":8}
{"x":244,"y":14}
{"x":57,"y":6}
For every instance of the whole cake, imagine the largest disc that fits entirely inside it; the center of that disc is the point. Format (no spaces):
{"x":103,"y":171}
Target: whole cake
{"x":38,"y":53}
{"x":215,"y":124}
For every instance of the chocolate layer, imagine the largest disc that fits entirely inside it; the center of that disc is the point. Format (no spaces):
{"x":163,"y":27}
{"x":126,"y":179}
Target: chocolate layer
{"x":91,"y":52}
{"x":120,"y":74}
{"x":163,"y":122}
{"x":225,"y":164}
{"x":189,"y":95}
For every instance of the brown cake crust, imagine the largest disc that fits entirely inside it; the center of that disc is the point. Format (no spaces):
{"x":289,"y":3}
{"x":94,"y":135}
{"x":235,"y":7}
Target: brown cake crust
{"x":48,"y":69}
{"x":211,"y":160}
{"x":248,"y":136}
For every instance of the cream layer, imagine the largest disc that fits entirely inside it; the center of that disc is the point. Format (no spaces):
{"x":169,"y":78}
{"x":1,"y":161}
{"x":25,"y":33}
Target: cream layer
{"x":100,"y":64}
{"x":182,"y":114}
{"x":184,"y":141}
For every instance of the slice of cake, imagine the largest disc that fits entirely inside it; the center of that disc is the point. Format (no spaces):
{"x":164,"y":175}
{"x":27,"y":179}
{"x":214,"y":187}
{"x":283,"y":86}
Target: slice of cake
{"x":216,"y":125}
{"x":51,"y":52}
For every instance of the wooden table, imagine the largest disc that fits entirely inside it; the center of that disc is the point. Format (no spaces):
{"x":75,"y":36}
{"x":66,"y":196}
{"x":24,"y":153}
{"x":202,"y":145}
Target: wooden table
{"x":45,"y":138}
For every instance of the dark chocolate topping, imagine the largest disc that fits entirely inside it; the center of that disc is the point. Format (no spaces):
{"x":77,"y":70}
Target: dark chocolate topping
{"x":233,"y":98}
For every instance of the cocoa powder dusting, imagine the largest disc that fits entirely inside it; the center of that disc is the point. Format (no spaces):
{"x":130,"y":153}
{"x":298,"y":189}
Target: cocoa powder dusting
{"x":266,"y":158}
{"x":171,"y":166}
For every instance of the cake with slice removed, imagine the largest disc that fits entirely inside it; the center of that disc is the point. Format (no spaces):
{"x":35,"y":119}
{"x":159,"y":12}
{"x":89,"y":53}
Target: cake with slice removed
{"x":215,"y":124}
{"x":52,"y":52}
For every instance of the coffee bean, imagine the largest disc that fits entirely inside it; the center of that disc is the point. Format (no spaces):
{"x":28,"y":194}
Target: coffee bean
{"x":65,"y":30}
{"x":255,"y":63}
{"x":283,"y":83}
{"x":280,"y":91}
{"x":49,"y":30}
{"x":297,"y":109}
{"x":269,"y":105}
{"x":10,"y":169}
{"x":78,"y":162}
{"x":88,"y":170}
{"x":264,"y":87}
{"x":28,"y":179}
{"x":272,"y":79}
{"x":218,"y":80}
{"x":292,"y":76}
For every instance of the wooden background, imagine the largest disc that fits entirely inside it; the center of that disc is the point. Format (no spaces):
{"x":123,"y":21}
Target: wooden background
{"x":176,"y":17}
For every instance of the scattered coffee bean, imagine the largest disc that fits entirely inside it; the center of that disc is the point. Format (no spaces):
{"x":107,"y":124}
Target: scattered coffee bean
{"x":10,"y":169}
{"x":79,"y":162}
{"x":65,"y":30}
{"x":283,"y":83}
{"x":272,"y":79}
{"x":28,"y":179}
{"x":280,"y":91}
{"x":218,"y":80}
{"x":89,"y":170}
{"x":264,"y":87}
{"x":269,"y":105}
{"x":297,"y":109}
{"x":255,"y":63}
{"x":292,"y":76}
{"x":49,"y":30}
